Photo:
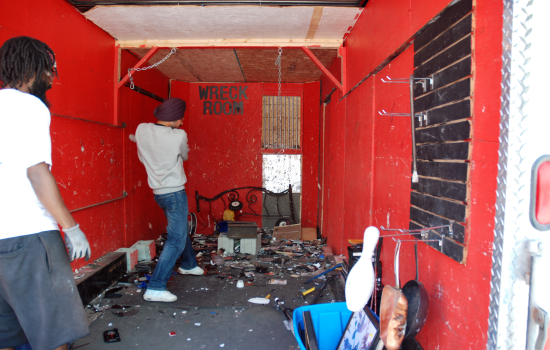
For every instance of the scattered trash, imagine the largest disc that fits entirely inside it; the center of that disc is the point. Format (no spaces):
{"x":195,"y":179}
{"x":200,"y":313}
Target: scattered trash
{"x":250,"y":330}
{"x":278,"y":282}
{"x":261,"y":301}
{"x":110,"y":324}
{"x":198,"y":324}
{"x":287,"y":325}
{"x":240,"y":284}
{"x":172,"y":334}
{"x":184,"y":312}
{"x":125,"y":312}
{"x":188,"y":339}
{"x":222,"y":345}
{"x":111,"y":336}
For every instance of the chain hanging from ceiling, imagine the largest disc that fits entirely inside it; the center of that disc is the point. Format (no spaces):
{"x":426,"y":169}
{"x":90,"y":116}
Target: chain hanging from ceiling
{"x":149,"y":67}
{"x":279,"y":104}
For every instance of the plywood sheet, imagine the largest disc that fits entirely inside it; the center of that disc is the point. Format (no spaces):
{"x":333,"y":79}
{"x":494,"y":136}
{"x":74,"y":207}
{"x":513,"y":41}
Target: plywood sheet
{"x":202,"y":23}
{"x":198,"y":65}
{"x":336,"y":22}
{"x":258,"y":65}
{"x":239,"y":65}
{"x":218,"y":23}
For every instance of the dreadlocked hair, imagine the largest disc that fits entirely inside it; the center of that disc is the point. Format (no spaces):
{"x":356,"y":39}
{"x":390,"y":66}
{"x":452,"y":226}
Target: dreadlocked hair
{"x":22,"y":58}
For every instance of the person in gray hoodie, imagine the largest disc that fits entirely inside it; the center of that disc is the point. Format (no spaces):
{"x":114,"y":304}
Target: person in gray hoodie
{"x":162,"y":148}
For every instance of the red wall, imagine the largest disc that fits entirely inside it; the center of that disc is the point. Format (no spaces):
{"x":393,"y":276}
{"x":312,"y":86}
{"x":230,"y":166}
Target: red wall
{"x":225,"y":150}
{"x":92,"y":161}
{"x":374,"y":153}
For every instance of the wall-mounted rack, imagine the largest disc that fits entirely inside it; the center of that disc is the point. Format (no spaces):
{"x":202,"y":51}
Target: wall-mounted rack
{"x":420,"y":240}
{"x":422,"y":81}
{"x":411,"y":81}
{"x":423,"y":233}
{"x":422,"y":116}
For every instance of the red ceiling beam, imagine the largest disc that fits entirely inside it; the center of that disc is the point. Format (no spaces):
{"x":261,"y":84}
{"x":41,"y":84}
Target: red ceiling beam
{"x":323,"y":69}
{"x":118,"y":84}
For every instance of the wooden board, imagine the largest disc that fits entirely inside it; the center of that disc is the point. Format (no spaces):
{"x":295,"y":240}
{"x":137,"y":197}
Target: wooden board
{"x":457,"y":71}
{"x":198,"y":65}
{"x":443,"y":96}
{"x":445,"y":58}
{"x":439,"y":188}
{"x":446,"y":132}
{"x":450,"y":112}
{"x":443,"y":170}
{"x":450,"y":248}
{"x":450,"y":210}
{"x":427,"y":219}
{"x":443,"y":135}
{"x":452,"y":151}
{"x":258,"y":65}
{"x":450,"y":17}
{"x":454,"y":34}
{"x":221,"y":24}
{"x":240,"y":65}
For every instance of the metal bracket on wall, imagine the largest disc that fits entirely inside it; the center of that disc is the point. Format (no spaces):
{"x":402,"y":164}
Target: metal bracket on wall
{"x":422,"y":116}
{"x":342,"y":54}
{"x":423,"y":231}
{"x":119,"y":84}
{"x":423,"y":81}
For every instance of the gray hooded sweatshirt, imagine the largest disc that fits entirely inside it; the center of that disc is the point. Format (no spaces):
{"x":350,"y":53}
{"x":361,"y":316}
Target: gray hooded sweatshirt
{"x":163,"y":150}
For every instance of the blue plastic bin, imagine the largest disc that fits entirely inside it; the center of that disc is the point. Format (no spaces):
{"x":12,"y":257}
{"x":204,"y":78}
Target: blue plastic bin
{"x":329,"y":321}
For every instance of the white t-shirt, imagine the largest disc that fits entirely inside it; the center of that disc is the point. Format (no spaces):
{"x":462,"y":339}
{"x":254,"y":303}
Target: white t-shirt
{"x":24,"y":142}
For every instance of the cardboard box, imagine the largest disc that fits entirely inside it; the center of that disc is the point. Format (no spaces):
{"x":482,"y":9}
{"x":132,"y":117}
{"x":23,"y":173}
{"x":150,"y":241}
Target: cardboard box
{"x":309,"y":233}
{"x":293,"y":232}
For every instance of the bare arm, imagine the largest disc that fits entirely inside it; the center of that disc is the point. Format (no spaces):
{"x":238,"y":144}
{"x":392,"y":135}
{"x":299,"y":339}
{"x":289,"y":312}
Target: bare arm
{"x":45,"y":187}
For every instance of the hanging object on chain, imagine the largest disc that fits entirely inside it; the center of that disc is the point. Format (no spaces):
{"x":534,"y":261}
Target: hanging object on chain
{"x":279,"y":105}
{"x":145,"y":68}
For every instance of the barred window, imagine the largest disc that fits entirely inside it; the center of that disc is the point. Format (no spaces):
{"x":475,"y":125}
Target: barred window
{"x":281,"y":122}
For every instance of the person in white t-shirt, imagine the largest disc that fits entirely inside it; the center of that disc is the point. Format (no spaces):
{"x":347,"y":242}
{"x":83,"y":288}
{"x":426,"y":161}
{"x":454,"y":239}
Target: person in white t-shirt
{"x":39,"y":301}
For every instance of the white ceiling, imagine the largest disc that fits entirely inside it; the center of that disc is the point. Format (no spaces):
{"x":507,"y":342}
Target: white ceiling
{"x":169,"y":26}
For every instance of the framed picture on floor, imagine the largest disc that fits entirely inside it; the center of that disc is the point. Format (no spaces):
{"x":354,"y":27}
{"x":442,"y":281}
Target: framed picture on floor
{"x":362,"y":332}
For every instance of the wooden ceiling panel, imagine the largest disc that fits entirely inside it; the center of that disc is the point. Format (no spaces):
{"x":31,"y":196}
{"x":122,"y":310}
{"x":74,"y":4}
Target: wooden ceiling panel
{"x":202,"y":23}
{"x":258,"y":65}
{"x":335,"y":21}
{"x":196,"y":65}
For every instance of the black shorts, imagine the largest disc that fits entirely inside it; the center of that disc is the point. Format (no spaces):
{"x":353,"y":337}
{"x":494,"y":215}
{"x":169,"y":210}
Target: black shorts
{"x":39,"y":302}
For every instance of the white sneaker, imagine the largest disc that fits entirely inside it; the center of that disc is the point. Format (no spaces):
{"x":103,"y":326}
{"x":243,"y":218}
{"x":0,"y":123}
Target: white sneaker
{"x":159,"y":295}
{"x":194,"y":271}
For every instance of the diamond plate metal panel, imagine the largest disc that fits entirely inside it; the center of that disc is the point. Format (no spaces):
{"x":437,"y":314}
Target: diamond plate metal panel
{"x":509,"y":288}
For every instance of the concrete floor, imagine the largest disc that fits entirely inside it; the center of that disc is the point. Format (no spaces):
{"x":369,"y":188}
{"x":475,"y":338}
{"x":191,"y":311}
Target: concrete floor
{"x":227,"y":320}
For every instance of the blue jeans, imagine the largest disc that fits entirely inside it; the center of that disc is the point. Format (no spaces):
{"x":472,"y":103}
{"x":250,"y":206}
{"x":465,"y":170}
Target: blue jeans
{"x":178,"y":243}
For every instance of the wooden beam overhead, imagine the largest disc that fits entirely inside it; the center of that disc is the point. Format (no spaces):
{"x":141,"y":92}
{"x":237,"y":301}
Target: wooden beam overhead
{"x":230,"y":43}
{"x":315,"y":19}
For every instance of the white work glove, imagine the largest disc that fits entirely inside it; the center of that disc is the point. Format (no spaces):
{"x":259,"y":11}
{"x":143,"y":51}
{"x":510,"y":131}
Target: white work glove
{"x":76,"y":243}
{"x":132,"y":137}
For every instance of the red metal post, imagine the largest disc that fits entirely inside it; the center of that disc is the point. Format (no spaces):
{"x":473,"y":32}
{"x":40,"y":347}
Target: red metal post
{"x":342,"y":52}
{"x":115,"y":84}
{"x":323,"y":69}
